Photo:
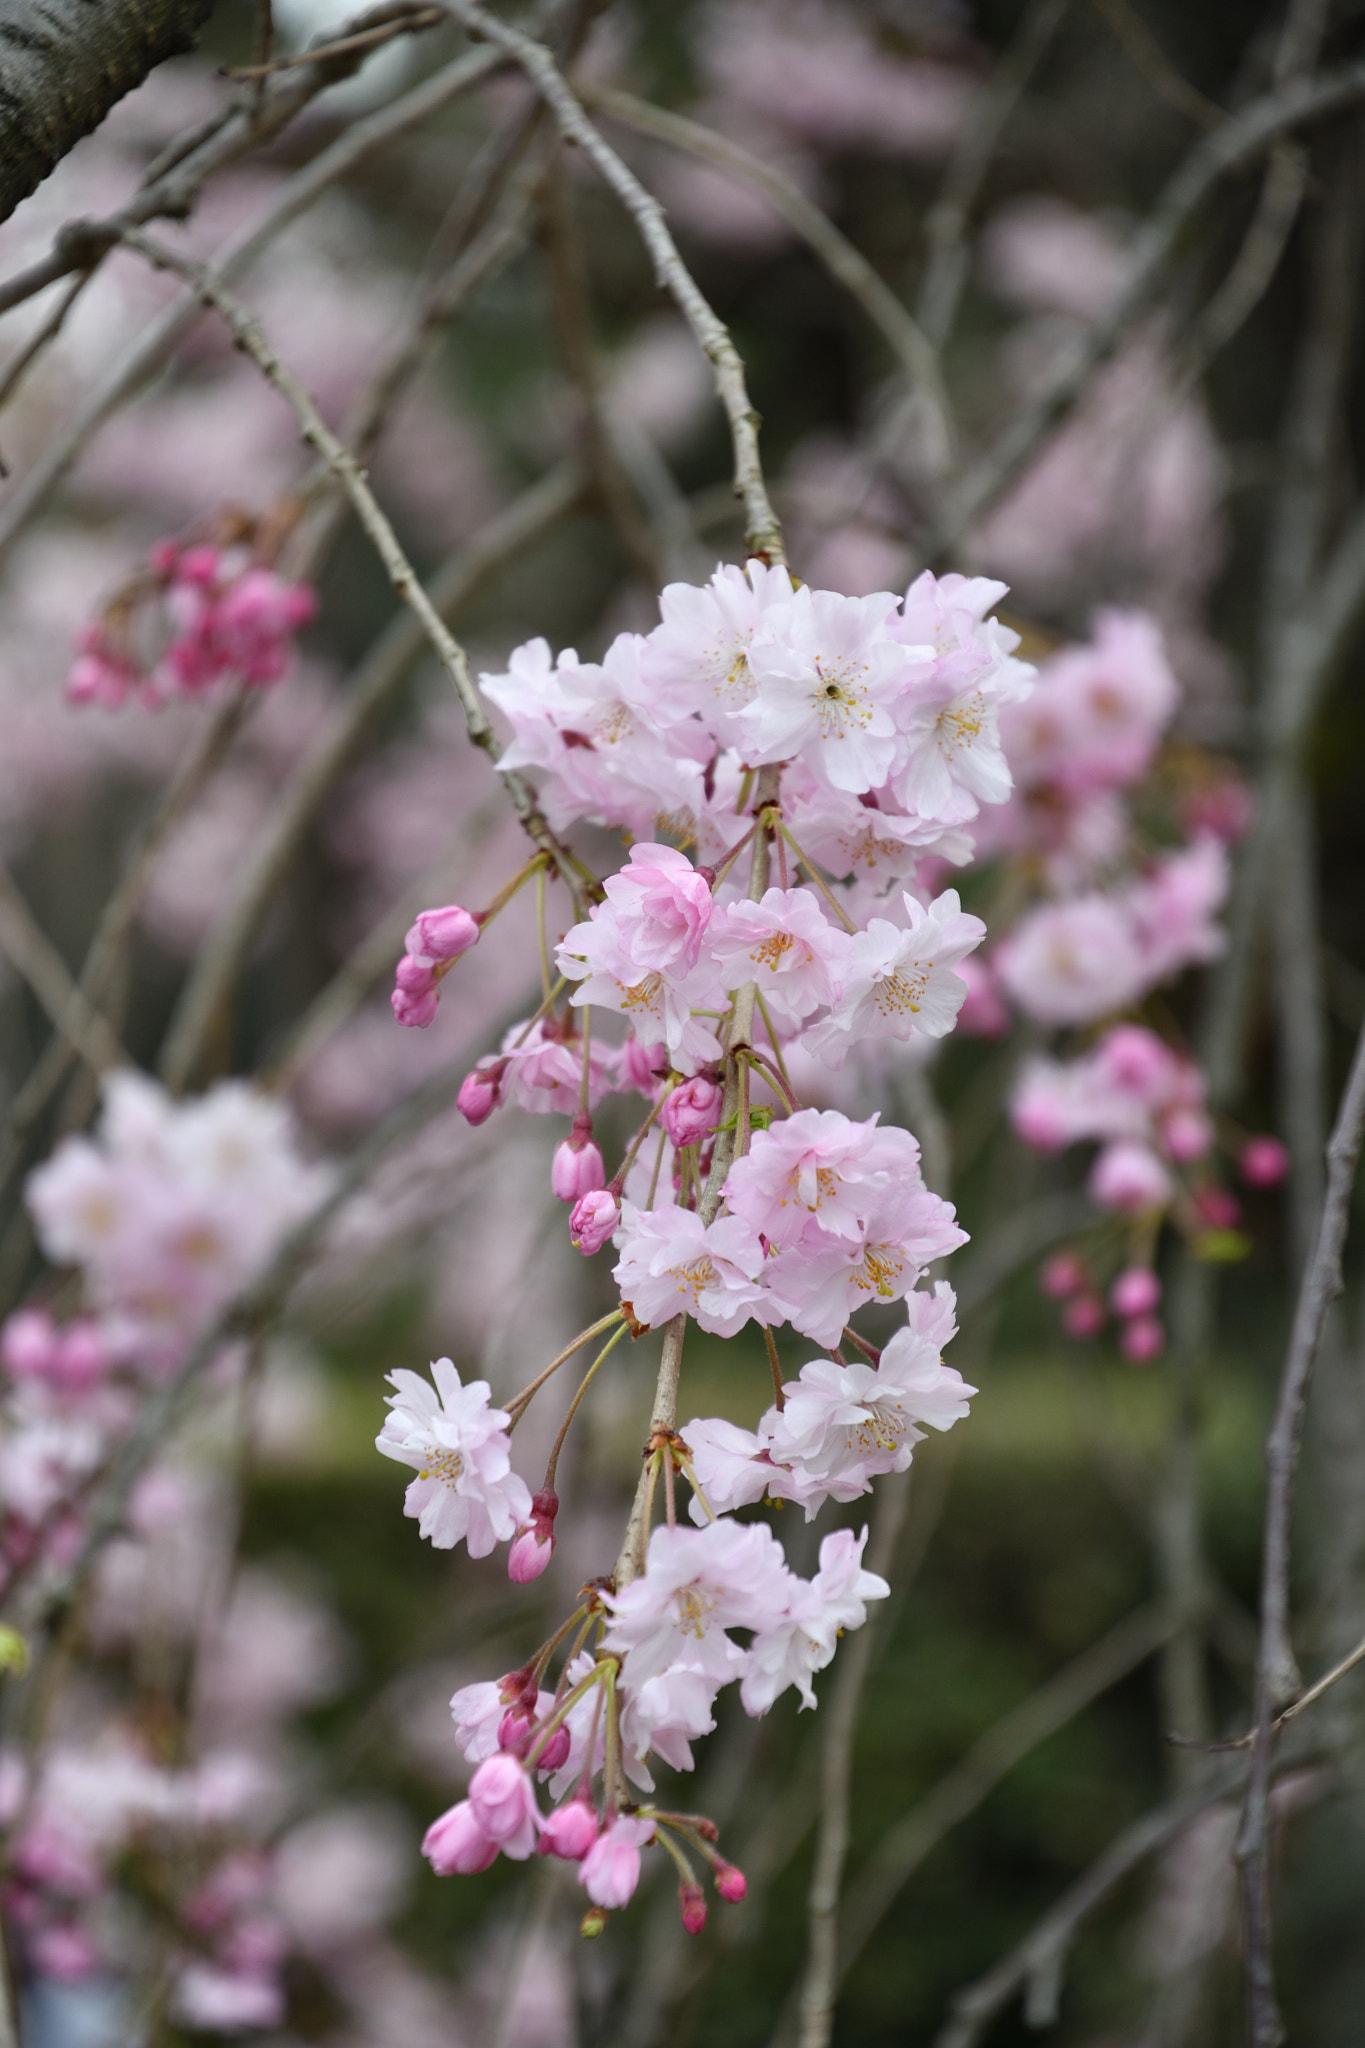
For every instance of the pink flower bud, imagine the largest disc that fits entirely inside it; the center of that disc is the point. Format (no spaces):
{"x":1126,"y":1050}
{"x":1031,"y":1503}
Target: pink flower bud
{"x":611,"y":1868}
{"x":692,"y":1905}
{"x":515,"y":1731}
{"x":1264,"y":1162}
{"x":555,"y":1753}
{"x":1188,"y":1134}
{"x":577,"y":1170}
{"x":533,"y":1545}
{"x":730,"y":1882}
{"x":413,"y":975}
{"x":29,"y":1345}
{"x":416,"y":1011}
{"x":1142,"y":1340}
{"x":82,"y":1356}
{"x":481,"y":1092}
{"x":1136,"y":1292}
{"x":570,"y":1831}
{"x":455,"y":1845}
{"x":593,"y":1221}
{"x":691,"y":1112}
{"x":503,"y":1801}
{"x":444,"y":933}
{"x":1063,"y":1275}
{"x":1084,"y":1317}
{"x":197,"y":565}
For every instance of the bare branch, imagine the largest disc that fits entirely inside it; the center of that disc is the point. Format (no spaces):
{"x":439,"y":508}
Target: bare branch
{"x":45,"y":971}
{"x":1156,"y":67}
{"x":848,"y":266}
{"x":1277,"y":1677}
{"x":375,"y":685}
{"x":763,"y":533}
{"x":64,"y":64}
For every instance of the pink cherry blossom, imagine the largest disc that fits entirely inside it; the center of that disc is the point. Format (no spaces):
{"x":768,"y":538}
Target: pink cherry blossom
{"x":465,"y":1489}
{"x":898,"y":983}
{"x":503,"y":1802}
{"x":820,"y":1167}
{"x":828,"y":675}
{"x":697,"y":1583}
{"x":785,"y":944}
{"x":577,"y":1168}
{"x":820,"y":1282}
{"x":1174,"y":907}
{"x":455,"y":1844}
{"x":1070,"y":963}
{"x":1264,"y":1162}
{"x":1136,"y":1292}
{"x":611,"y":1869}
{"x":673,"y":1264}
{"x":642,"y":953}
{"x":801,"y":1641}
{"x":1129,"y":1177}
{"x":701,"y":647}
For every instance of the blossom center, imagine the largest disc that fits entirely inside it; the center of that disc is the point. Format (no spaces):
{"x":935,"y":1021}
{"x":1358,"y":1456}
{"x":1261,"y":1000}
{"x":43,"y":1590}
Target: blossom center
{"x":901,"y":991}
{"x":440,"y":1462}
{"x":695,"y":1609}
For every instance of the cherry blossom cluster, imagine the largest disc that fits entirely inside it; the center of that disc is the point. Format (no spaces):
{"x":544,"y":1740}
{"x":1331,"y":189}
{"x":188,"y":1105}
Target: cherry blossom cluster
{"x":201,"y":614}
{"x":167,"y":1212}
{"x":844,"y":745}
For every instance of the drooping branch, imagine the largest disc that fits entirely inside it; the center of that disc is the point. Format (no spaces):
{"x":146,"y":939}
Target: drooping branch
{"x":65,"y":63}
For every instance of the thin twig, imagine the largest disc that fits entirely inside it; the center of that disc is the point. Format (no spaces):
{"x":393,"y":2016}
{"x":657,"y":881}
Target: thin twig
{"x":45,"y":971}
{"x":405,"y":23}
{"x":1039,"y":1956}
{"x":23,"y":359}
{"x":763,"y":533}
{"x":1277,"y":1677}
{"x":848,"y":266}
{"x":1156,"y":67}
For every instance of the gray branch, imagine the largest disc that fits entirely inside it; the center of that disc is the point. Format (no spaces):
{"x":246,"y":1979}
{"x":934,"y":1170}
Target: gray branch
{"x":65,"y":63}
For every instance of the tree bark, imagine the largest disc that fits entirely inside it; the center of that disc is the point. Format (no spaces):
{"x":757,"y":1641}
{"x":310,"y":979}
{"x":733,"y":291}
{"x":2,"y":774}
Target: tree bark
{"x":64,"y":64}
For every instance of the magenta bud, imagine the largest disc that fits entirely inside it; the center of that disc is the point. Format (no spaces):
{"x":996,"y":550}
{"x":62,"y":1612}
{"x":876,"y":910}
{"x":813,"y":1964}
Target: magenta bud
{"x":197,"y":565}
{"x":593,"y":1221}
{"x":444,"y":933}
{"x":1084,"y":1317}
{"x":1218,"y":1210}
{"x":29,"y":1344}
{"x":1135,"y":1293}
{"x":570,"y":1830}
{"x":532,"y":1549}
{"x":413,"y":975}
{"x":1062,"y":1275}
{"x":1143,"y":1340}
{"x":692,"y":1905}
{"x":556,"y":1751}
{"x":415,"y":1011}
{"x":515,"y":1731}
{"x":691,"y":1112}
{"x":1264,"y":1162}
{"x":730,"y":1882}
{"x":455,"y":1844}
{"x":481,"y":1092}
{"x":576,"y":1171}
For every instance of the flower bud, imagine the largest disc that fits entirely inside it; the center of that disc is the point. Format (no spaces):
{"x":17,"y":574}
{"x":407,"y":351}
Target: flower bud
{"x":570,"y":1831}
{"x":1129,"y":1177}
{"x":515,"y":1731}
{"x":455,"y":1844}
{"x":1084,"y":1316}
{"x":1143,"y":1340}
{"x":1062,"y":1275}
{"x":503,"y":1802}
{"x":730,"y":1882}
{"x":481,"y":1092}
{"x":691,"y":1112}
{"x":413,"y":975}
{"x":29,"y":1344}
{"x":1135,"y":1293}
{"x":577,"y":1169}
{"x":556,"y":1752}
{"x":593,"y":1221}
{"x":592,"y":1923}
{"x":692,"y":1905}
{"x":1264,"y":1162}
{"x":1218,"y":1210}
{"x":533,"y":1545}
{"x":642,"y":1066}
{"x":415,"y":1011}
{"x":444,"y":933}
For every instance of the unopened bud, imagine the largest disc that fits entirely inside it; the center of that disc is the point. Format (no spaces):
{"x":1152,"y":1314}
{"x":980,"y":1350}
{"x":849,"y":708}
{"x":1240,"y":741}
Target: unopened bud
{"x":1136,"y":1292}
{"x":481,"y":1092}
{"x":413,"y":974}
{"x":415,"y":1011}
{"x":593,"y":1221}
{"x":514,"y":1731}
{"x":1062,"y":1275}
{"x":692,"y":1905}
{"x":691,"y":1112}
{"x":443,"y":934}
{"x":556,"y":1751}
{"x":577,"y":1170}
{"x":570,"y":1831}
{"x":592,"y":1923}
{"x":1143,"y":1340}
{"x":1264,"y":1162}
{"x":530,"y":1554}
{"x":1084,"y":1317}
{"x":730,"y":1882}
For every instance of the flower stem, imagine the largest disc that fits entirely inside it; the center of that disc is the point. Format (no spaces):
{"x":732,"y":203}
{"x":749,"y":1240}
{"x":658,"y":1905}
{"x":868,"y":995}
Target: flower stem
{"x":809,"y":865}
{"x":583,"y":1386}
{"x":517,"y":1405}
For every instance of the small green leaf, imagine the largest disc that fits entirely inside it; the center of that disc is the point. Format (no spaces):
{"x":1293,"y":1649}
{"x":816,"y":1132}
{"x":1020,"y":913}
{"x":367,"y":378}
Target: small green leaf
{"x":13,"y":1652}
{"x":1222,"y":1247}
